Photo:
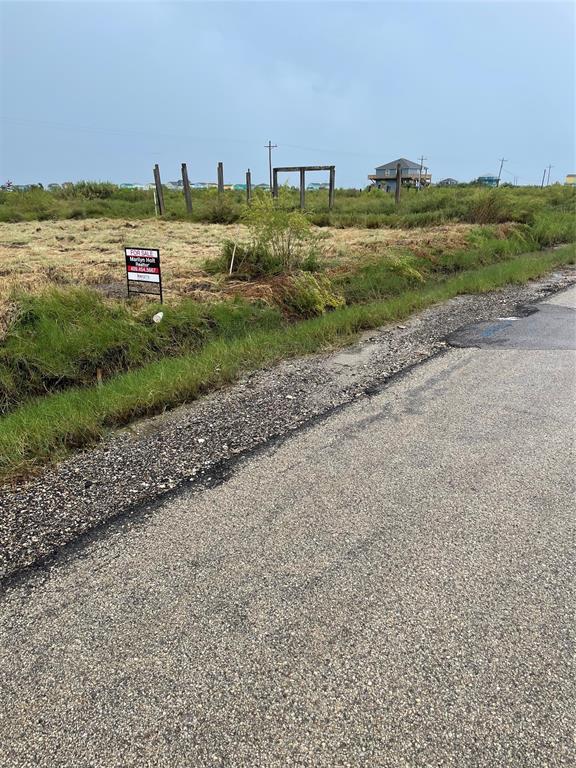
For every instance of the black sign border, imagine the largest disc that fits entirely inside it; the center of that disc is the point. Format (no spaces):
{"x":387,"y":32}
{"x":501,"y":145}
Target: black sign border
{"x":142,"y":282}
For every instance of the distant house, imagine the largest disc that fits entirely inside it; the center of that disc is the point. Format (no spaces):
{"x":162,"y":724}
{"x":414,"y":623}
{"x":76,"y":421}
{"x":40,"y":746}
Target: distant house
{"x":412,"y":175}
{"x":447,"y":183}
{"x":487,"y":181}
{"x":315,"y":185}
{"x":571,"y":179}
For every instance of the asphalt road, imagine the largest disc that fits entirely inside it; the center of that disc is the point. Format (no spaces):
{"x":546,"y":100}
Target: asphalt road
{"x":391,"y":586}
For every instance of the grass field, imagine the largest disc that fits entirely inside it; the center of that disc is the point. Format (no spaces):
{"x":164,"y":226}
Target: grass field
{"x":78,"y":357}
{"x":370,"y":208}
{"x":90,"y":252}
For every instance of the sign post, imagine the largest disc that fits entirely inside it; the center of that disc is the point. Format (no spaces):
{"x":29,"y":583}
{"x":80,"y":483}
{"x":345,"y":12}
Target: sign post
{"x":143,"y":271}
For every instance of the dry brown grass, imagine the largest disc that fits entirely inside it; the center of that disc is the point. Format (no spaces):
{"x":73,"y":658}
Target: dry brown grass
{"x":90,"y":252}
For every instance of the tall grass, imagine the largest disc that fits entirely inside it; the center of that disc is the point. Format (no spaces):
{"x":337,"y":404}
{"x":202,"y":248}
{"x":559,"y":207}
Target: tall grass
{"x":367,"y":208}
{"x":73,"y":337}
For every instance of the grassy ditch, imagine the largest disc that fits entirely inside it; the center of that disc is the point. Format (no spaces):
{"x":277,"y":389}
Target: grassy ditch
{"x":72,"y":337}
{"x":45,"y":428}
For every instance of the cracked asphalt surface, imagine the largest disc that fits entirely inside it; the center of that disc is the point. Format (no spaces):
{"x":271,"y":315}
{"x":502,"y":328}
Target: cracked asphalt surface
{"x":391,"y":586}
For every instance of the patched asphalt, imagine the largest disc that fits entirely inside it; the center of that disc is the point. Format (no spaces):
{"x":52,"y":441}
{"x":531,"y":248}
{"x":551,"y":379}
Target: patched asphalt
{"x":543,"y":326}
{"x":391,"y":586}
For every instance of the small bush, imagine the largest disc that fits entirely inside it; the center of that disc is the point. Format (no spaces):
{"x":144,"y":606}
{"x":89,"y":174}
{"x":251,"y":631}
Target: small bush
{"x":220,"y":209}
{"x":287,"y":235}
{"x":491,"y":207}
{"x":307,"y":295}
{"x":245,"y":261}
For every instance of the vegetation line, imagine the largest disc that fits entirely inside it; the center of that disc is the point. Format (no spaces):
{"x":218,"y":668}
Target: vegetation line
{"x":45,"y":428}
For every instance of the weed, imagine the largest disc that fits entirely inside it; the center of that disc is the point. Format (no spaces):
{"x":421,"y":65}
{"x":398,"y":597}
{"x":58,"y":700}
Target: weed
{"x":307,"y":295}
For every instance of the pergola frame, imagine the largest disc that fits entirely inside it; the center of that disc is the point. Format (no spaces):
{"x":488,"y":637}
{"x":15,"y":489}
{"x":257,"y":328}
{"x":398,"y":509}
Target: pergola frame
{"x":301,"y":169}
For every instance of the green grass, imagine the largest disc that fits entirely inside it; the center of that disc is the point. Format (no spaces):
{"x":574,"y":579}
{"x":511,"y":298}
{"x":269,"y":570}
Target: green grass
{"x":367,"y":208}
{"x":45,"y":428}
{"x":69,"y":337}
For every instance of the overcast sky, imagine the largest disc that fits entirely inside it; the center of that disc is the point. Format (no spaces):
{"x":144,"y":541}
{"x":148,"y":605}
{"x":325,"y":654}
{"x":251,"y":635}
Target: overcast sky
{"x":105,"y":90}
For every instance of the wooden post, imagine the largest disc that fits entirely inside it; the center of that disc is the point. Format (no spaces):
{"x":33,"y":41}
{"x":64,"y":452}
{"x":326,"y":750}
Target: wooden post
{"x":248,"y":186}
{"x":220,"y":178}
{"x":302,"y":188}
{"x":159,"y":194}
{"x":331,"y":187}
{"x":398,"y":182}
{"x":186,"y":184}
{"x":274,"y":183}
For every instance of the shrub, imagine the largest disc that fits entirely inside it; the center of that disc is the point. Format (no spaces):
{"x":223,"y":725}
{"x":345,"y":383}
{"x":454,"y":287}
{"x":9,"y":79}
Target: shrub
{"x":220,"y":209}
{"x":89,"y":190}
{"x":491,"y":207}
{"x":244,"y":261}
{"x":307,"y":295}
{"x":287,"y":235}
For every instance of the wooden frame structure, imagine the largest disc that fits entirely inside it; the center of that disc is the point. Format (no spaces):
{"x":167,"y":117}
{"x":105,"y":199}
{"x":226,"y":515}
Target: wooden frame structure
{"x":301,"y":169}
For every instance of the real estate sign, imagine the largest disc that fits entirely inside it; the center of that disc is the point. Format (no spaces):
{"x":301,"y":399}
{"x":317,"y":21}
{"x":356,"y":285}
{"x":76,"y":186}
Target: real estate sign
{"x":143,"y":271}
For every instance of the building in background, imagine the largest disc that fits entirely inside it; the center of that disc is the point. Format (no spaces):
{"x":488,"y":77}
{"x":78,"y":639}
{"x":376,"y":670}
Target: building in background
{"x":571,"y":179}
{"x":487,"y":181}
{"x":412,"y":175}
{"x":447,"y":183}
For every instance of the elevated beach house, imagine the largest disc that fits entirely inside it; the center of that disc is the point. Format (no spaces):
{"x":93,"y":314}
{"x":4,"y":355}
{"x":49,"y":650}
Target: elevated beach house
{"x":412,"y":175}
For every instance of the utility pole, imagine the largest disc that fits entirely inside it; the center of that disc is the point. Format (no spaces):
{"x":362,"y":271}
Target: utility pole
{"x":270,"y":147}
{"x":502,"y":161}
{"x":543,"y":177}
{"x":420,"y":176}
{"x":549,"y":169}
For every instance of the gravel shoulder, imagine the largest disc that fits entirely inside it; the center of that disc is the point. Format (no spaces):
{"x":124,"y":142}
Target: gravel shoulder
{"x":198,"y":443}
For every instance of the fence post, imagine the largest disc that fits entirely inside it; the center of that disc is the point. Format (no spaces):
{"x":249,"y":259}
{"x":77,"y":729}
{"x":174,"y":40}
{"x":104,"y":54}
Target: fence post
{"x":220,"y":178}
{"x":398,"y":182}
{"x":248,"y":186}
{"x":331,"y":187}
{"x":302,"y":188}
{"x":159,"y":194}
{"x":186,"y":184}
